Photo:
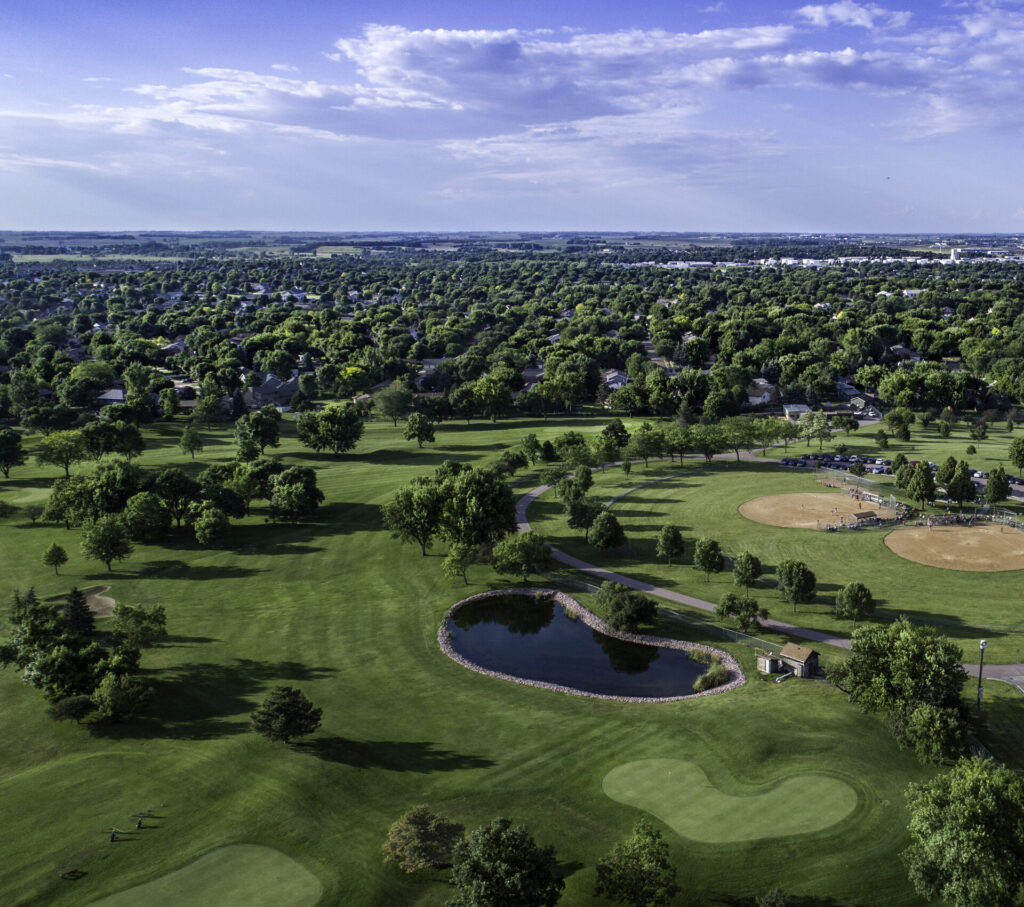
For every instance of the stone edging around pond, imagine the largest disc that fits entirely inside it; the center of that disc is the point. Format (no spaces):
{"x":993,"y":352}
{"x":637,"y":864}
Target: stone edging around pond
{"x":594,"y":622}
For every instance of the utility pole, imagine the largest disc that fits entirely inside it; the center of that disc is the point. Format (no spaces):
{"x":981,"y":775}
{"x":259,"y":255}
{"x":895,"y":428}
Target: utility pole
{"x":981,"y":663}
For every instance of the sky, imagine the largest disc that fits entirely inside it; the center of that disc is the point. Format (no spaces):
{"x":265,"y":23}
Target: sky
{"x":735,"y":115}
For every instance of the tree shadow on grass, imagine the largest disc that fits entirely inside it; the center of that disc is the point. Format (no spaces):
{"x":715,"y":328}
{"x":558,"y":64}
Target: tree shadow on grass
{"x":793,"y":900}
{"x":395,"y":756}
{"x":203,"y":700}
{"x":176,"y":639}
{"x":174,"y":569}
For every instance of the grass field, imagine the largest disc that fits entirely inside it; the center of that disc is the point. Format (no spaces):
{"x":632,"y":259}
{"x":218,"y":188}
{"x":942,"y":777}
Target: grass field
{"x":705,"y":501}
{"x":338,"y":609}
{"x":236,"y":874}
{"x":680,"y":794}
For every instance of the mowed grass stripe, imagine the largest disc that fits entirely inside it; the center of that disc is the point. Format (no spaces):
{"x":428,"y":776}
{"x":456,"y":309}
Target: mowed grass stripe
{"x":236,"y":874}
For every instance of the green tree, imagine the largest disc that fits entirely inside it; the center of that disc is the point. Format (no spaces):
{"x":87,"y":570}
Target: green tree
{"x":625,"y":608}
{"x":944,"y":429}
{"x":638,"y":872}
{"x":191,"y":441}
{"x":393,"y":402}
{"x":12,"y":453}
{"x":285,"y":714}
{"x":78,"y":615}
{"x":421,"y":840}
{"x":336,"y":427}
{"x":500,"y":865}
{"x":477,"y":508}
{"x":966,"y":835}
{"x":55,"y":557}
{"x":521,"y":554}
{"x":746,"y":570}
{"x":107,"y":540}
{"x":169,"y":402}
{"x":419,"y":428}
{"x":71,"y":502}
{"x":137,"y":628}
{"x":902,"y":663}
{"x":118,"y":697}
{"x":796,"y":582}
{"x":262,"y":428}
{"x":707,"y":556}
{"x":61,"y":448}
{"x":414,"y":514}
{"x":209,"y":523}
{"x":1016,"y":453}
{"x":177,"y":490}
{"x":582,"y":513}
{"x":961,"y":487}
{"x":294,"y":495}
{"x":670,"y":543}
{"x":458,"y":561}
{"x":146,"y":516}
{"x":606,"y":532}
{"x":531,"y":448}
{"x":128,"y":440}
{"x":944,"y":474}
{"x":997,"y":489}
{"x":746,"y":610}
{"x":208,"y":409}
{"x":854,"y":602}
{"x":921,"y":486}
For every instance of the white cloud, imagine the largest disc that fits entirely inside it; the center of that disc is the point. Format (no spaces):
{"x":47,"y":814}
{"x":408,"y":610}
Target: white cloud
{"x":847,"y":12}
{"x":284,"y":67}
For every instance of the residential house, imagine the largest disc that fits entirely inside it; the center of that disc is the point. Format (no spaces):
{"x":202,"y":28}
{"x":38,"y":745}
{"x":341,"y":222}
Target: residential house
{"x":614,"y":379}
{"x":760,"y":390}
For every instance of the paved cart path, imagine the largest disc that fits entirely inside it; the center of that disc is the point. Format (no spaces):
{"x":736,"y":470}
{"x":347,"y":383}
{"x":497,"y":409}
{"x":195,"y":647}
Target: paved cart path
{"x":1009,"y":673}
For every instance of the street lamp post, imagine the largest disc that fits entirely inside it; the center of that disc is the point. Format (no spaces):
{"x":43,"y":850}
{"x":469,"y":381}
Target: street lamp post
{"x":981,"y":663}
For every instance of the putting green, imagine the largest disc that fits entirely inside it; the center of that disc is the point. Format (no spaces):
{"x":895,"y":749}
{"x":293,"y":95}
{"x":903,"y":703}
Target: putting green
{"x":236,"y":874}
{"x":680,"y":794}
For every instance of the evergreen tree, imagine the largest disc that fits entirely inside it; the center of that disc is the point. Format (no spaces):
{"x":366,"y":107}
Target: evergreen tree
{"x":286,"y":714}
{"x":78,"y":615}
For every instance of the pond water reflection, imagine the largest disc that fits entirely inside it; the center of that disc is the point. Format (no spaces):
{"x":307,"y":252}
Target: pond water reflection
{"x":534,"y":638}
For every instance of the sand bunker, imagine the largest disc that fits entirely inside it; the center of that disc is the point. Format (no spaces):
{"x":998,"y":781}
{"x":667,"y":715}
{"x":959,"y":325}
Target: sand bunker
{"x":981,"y":549}
{"x":100,"y":605}
{"x":813,"y":510}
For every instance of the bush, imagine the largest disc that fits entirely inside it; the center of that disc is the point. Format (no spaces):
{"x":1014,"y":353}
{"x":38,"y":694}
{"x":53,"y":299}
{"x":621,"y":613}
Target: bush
{"x":713,"y":677}
{"x":421,"y":840}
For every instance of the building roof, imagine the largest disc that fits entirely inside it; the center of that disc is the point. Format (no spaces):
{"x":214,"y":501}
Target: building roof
{"x":798,"y":653}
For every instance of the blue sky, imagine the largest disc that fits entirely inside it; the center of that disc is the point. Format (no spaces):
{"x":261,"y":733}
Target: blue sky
{"x":653,"y":115}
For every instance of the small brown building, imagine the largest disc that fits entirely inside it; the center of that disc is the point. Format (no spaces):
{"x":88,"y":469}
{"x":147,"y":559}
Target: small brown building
{"x":802,"y":661}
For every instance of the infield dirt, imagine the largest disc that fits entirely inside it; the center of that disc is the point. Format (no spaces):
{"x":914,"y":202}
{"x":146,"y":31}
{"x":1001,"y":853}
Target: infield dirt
{"x":809,"y":510}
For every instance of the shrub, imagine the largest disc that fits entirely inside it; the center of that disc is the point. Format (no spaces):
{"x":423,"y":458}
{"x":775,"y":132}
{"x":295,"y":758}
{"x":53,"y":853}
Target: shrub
{"x":713,"y":677}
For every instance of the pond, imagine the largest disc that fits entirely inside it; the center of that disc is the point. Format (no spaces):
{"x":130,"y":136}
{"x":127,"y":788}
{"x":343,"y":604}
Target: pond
{"x":534,"y":639}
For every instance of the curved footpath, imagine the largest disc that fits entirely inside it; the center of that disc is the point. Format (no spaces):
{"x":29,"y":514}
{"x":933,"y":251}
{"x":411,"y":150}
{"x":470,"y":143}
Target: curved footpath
{"x":1009,"y":673}
{"x":599,"y":573}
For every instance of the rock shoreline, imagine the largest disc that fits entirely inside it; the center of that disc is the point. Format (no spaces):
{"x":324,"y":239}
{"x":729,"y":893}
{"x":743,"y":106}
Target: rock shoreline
{"x":737,"y":677}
